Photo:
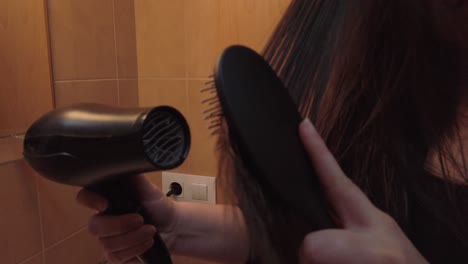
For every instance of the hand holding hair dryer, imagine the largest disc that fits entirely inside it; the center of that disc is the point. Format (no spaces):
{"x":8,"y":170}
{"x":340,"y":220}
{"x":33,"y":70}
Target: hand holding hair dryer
{"x":100,"y":147}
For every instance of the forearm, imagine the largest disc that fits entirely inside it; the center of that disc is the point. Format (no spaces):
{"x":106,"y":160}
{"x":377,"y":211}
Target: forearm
{"x":213,"y":232}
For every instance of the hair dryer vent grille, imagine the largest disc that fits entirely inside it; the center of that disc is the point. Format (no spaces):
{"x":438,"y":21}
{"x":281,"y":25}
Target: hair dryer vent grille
{"x":164,"y":138}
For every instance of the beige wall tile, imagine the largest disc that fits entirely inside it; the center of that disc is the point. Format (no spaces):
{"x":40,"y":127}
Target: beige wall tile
{"x":20,"y":236}
{"x":128,"y":93}
{"x":61,"y":214}
{"x":11,"y":148}
{"x":82,"y":39}
{"x":25,"y":74}
{"x":212,"y":25}
{"x":126,"y":42}
{"x":34,"y":260}
{"x":155,"y":92}
{"x":81,"y":248}
{"x":104,"y":92}
{"x":160,"y":39}
{"x":203,"y":39}
{"x":202,"y":156}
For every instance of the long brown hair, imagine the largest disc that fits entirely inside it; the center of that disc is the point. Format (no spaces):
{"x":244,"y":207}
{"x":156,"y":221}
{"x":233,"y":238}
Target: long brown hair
{"x":377,"y":81}
{"x":379,"y":84}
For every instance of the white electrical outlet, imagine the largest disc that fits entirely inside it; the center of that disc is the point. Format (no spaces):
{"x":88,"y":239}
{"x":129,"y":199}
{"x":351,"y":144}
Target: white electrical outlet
{"x":195,"y":188}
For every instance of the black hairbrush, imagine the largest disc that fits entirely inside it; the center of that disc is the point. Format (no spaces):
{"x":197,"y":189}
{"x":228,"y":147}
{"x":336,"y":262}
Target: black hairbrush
{"x":264,"y":123}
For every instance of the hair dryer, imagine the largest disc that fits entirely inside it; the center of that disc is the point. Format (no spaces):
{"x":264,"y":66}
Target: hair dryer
{"x":101,"y":147}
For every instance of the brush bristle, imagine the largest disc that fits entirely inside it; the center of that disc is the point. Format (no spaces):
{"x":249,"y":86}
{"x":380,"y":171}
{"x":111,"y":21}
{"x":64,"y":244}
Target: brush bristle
{"x":213,"y":113}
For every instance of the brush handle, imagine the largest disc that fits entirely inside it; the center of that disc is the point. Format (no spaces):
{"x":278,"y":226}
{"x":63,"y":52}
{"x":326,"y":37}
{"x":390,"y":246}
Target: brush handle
{"x":122,"y":199}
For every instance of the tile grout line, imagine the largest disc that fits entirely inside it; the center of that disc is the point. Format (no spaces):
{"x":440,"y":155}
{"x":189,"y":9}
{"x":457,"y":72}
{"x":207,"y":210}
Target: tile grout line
{"x":8,"y":162}
{"x":187,"y":71}
{"x":186,"y":60}
{"x":33,"y":256}
{"x":116,"y":53}
{"x":66,"y":238}
{"x":50,"y":52}
{"x":187,"y":106}
{"x":175,"y":78}
{"x":186,"y":45}
{"x":9,"y":140}
{"x":41,"y":222}
{"x":85,"y":80}
{"x":12,"y":135}
{"x":134,"y":79}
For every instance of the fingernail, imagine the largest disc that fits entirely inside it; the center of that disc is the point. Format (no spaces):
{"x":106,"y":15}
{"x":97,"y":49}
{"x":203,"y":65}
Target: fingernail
{"x":102,"y":206}
{"x":150,"y":230}
{"x":150,"y":243}
{"x":138,"y":220}
{"x":307,"y":125}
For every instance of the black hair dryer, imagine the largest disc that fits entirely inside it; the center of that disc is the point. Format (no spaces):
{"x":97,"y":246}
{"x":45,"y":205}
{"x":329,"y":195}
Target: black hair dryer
{"x":100,"y":147}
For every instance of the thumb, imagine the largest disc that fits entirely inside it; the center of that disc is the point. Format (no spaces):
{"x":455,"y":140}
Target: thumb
{"x":329,"y":247}
{"x":157,"y":207}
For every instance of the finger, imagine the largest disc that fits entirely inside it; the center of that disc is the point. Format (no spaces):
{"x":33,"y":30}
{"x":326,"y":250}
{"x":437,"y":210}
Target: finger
{"x":350,"y":203}
{"x":106,"y":225}
{"x":129,"y":254}
{"x":332,"y":247}
{"x":128,"y":240}
{"x":134,"y":261}
{"x":91,"y":200}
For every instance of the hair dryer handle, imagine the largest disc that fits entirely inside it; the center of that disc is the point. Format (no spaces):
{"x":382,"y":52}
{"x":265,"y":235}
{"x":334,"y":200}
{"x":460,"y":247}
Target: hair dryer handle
{"x":122,"y":199}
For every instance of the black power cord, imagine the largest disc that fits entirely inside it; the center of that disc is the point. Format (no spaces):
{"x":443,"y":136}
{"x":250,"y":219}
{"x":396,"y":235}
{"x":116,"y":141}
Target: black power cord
{"x":175,"y":189}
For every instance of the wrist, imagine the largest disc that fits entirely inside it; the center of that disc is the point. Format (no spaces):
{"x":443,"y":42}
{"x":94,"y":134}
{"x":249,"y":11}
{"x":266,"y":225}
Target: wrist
{"x":200,"y":230}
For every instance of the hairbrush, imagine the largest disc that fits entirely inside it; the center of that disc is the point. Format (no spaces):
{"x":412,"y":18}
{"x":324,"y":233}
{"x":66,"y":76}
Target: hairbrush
{"x":263,"y":120}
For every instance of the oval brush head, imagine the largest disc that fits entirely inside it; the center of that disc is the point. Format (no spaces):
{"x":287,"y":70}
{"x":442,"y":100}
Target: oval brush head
{"x":263,"y":122}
